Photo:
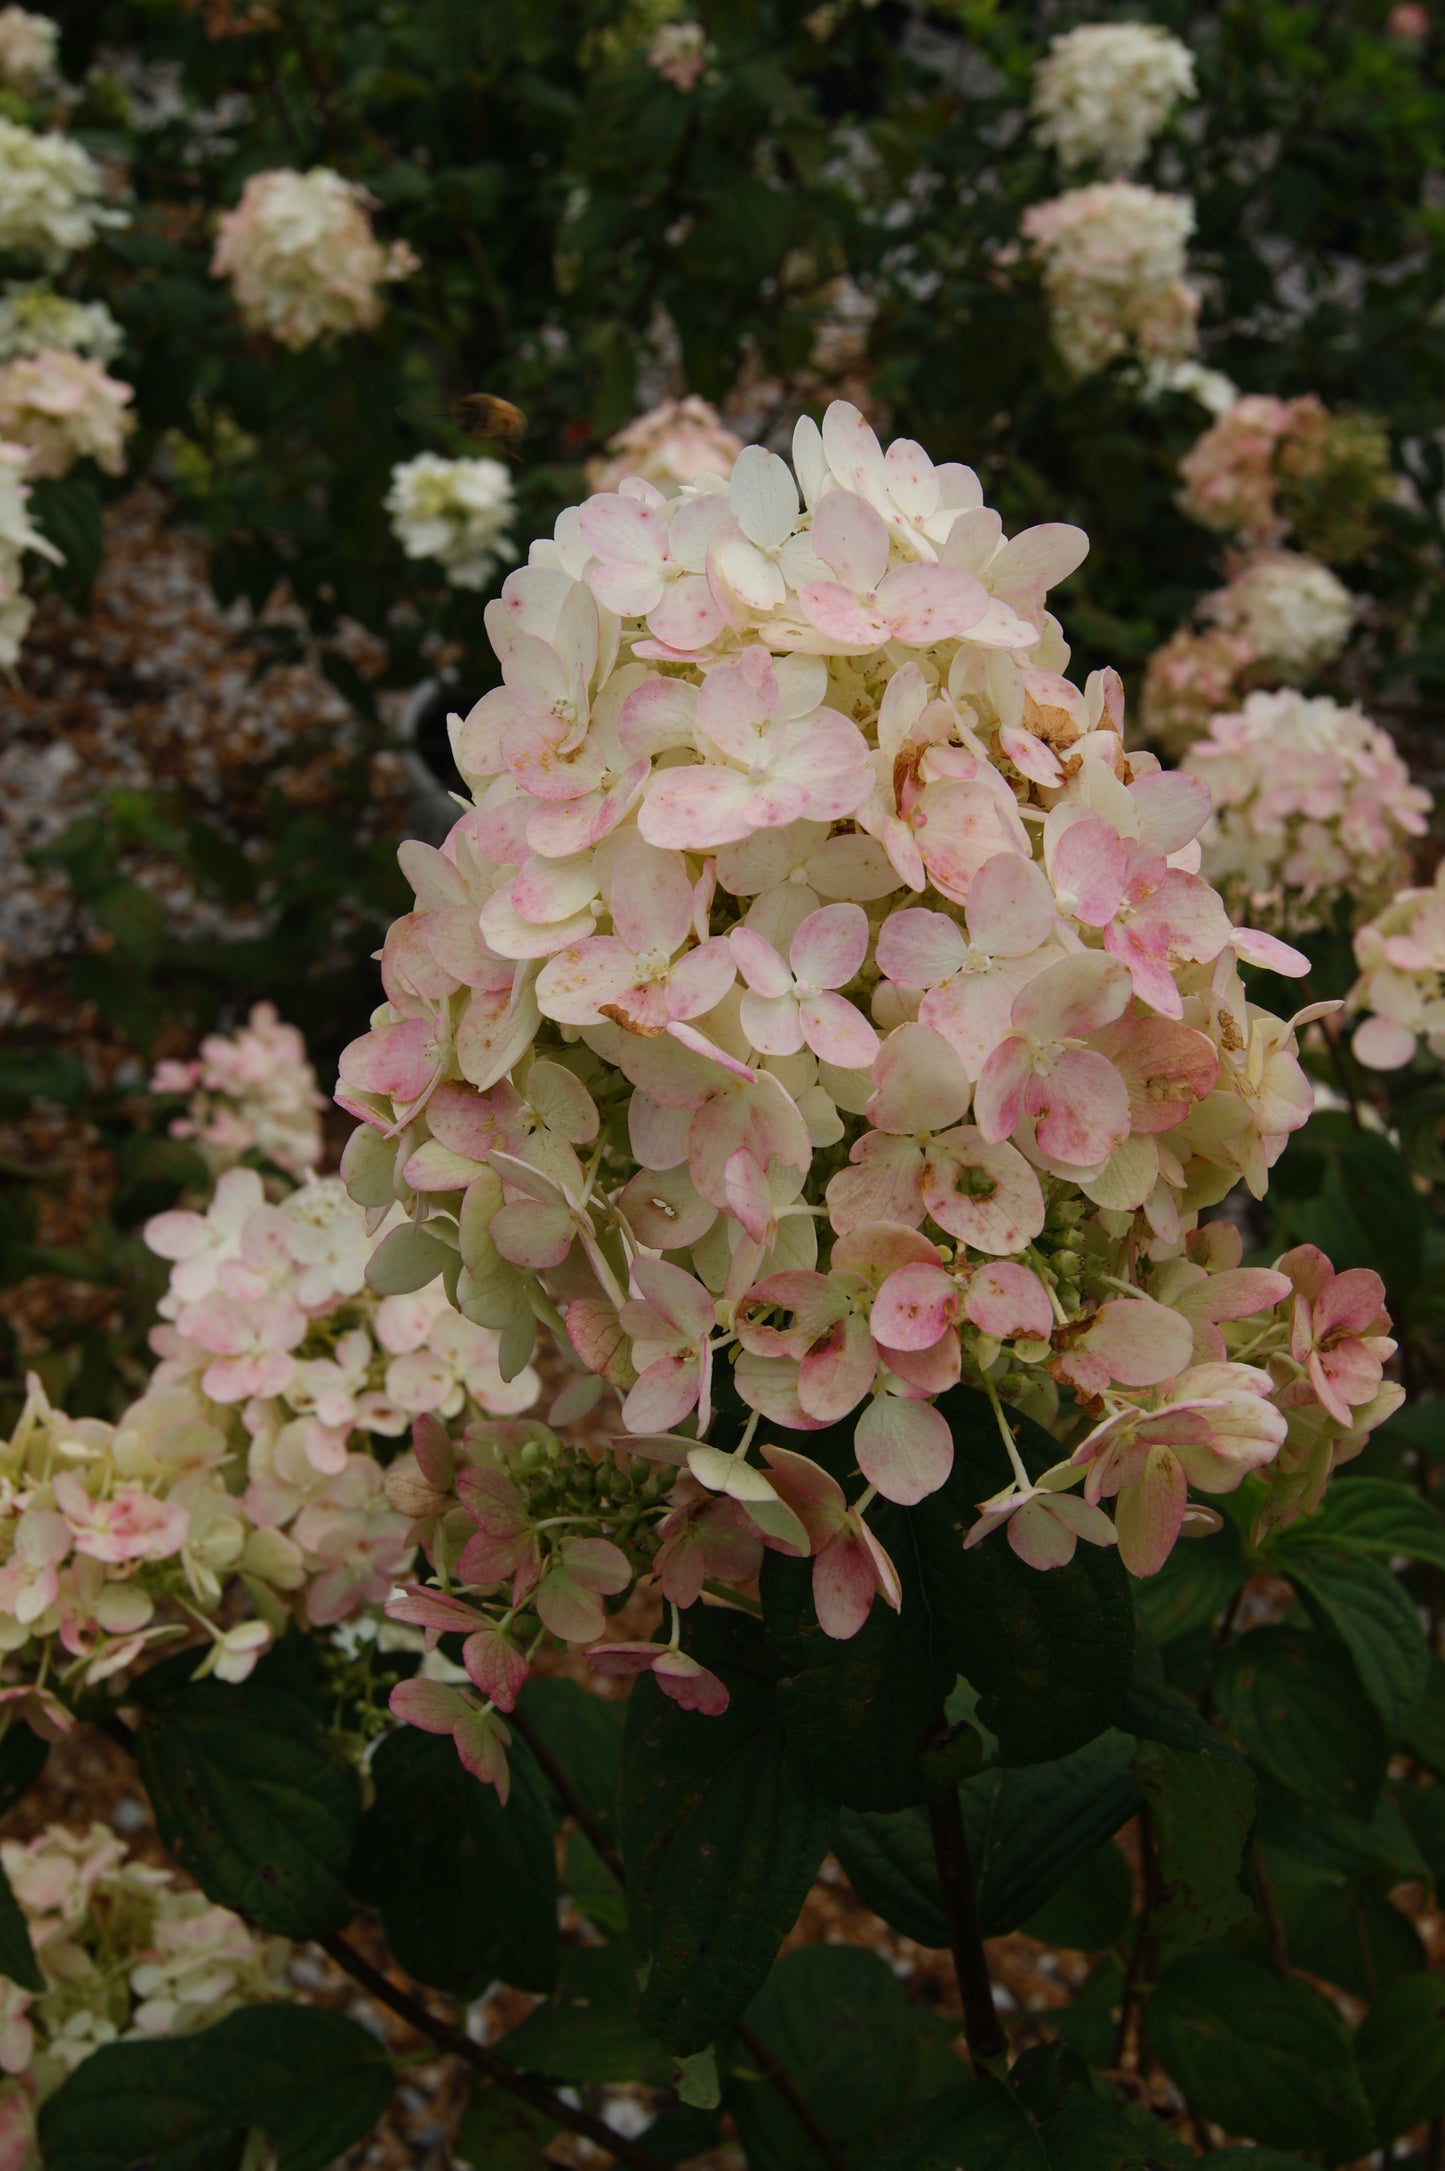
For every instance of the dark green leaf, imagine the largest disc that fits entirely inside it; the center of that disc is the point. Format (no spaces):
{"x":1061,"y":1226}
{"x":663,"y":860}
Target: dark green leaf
{"x":979,"y":2125}
{"x":1340,"y":1930}
{"x":1260,"y":2056}
{"x":17,"y":1954}
{"x":22,"y":1760}
{"x":1358,"y":1600}
{"x":1028,"y":1831}
{"x":591,"y":2032}
{"x":1201,"y":1809}
{"x":499,"y":2132}
{"x":1193,"y":1587}
{"x":723,"y":1830}
{"x":858,"y":1710}
{"x":1087,"y":2133}
{"x":467,"y":1889}
{"x":836,"y":2019}
{"x":250,"y":1796}
{"x":1295,"y":1706}
{"x":1425,"y":1725}
{"x":1372,"y":1515}
{"x":1381,"y":1846}
{"x":1050,"y":1655}
{"x":1369,"y":1214}
{"x":584,"y":1734}
{"x":1401,"y":2050}
{"x":1091,"y":1910}
{"x":311,"y":2080}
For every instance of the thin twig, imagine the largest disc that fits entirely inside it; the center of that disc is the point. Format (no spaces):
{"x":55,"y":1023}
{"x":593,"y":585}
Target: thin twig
{"x":1143,"y":1960}
{"x":982,"y":2028}
{"x":587,"y":1822}
{"x":482,"y":2060}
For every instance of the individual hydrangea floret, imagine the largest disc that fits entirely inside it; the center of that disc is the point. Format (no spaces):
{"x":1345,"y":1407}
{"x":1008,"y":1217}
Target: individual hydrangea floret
{"x":670,"y":446}
{"x":127,"y":1953}
{"x":302,"y":259}
{"x":1312,"y":804}
{"x":29,"y":51}
{"x":1401,"y":956}
{"x":52,"y":196}
{"x":457,"y":512}
{"x":33,"y":316}
{"x":65,"y":408}
{"x":1113,"y":261}
{"x":252,"y":1091}
{"x":816,"y":1010}
{"x":1103,"y":92}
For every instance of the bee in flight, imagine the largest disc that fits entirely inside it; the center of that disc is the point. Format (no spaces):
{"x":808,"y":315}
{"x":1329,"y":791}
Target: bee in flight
{"x":481,"y":415}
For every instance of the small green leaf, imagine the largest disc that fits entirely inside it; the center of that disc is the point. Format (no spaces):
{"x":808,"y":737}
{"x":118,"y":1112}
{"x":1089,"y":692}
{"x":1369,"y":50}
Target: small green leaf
{"x":1259,"y":2055}
{"x":1295,"y":1706}
{"x":836,"y":2019}
{"x":17,"y":1954}
{"x":1358,"y":1600}
{"x":1401,"y":2049}
{"x":723,"y":1832}
{"x":591,"y":2032}
{"x":467,"y":1889}
{"x":979,"y":2125}
{"x":1050,"y":1655}
{"x":312,"y":2081}
{"x":1201,"y":1809}
{"x":249,"y":1795}
{"x":407,"y":1259}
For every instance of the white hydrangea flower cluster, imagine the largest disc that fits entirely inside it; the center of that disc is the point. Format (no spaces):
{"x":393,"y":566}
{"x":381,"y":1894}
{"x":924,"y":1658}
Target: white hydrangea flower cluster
{"x":1401,"y":956}
{"x":52,"y":196}
{"x":33,"y":316}
{"x":302,"y":259}
{"x":1311,"y":803}
{"x":457,"y":512}
{"x":18,"y":536}
{"x":63,"y":408}
{"x":29,"y":51}
{"x":670,"y":446}
{"x":1113,"y":261}
{"x":1103,"y":92}
{"x":252,"y":1091}
{"x":127,"y":1952}
{"x":1294,"y":613}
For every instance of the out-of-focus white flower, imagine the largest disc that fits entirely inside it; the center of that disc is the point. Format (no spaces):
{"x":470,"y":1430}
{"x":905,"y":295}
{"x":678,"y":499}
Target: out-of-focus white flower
{"x":1113,"y":265}
{"x":670,"y":447}
{"x":65,"y":408}
{"x":17,"y":536}
{"x":1293,"y":611}
{"x":51,"y":196}
{"x":678,"y":53}
{"x":302,"y":259}
{"x":1215,"y":392}
{"x":1103,"y":92}
{"x":29,"y":50}
{"x":456,"y":511}
{"x":33,"y":316}
{"x":1311,"y":802}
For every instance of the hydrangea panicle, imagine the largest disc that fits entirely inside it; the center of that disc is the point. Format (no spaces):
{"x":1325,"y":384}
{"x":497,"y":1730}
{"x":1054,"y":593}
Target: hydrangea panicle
{"x":302,"y":259}
{"x":1103,"y":92}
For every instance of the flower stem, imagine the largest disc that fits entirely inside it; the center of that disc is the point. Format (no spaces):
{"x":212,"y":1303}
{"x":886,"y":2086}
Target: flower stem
{"x":983,"y":2030}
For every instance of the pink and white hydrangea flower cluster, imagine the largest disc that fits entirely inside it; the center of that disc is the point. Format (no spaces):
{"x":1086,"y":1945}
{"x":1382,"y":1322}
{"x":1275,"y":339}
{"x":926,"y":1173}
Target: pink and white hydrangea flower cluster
{"x":1401,"y":956}
{"x":269,"y":1318}
{"x":63,"y":407}
{"x":302,"y":259}
{"x":817,"y":989}
{"x":670,"y":446}
{"x":1232,"y":476}
{"x":116,"y":1537}
{"x":1311,"y":804}
{"x":252,"y":1091}
{"x":128,"y":1952}
{"x":1113,"y":257}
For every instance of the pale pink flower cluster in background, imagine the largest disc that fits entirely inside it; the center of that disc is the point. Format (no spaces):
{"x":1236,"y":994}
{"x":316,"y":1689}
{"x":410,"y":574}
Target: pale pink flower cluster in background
{"x":1231,"y":477}
{"x":678,"y":53}
{"x":1113,"y":260}
{"x":816,"y":989}
{"x":1311,"y":804}
{"x":1401,"y":956}
{"x":252,"y":1091}
{"x":63,"y":408}
{"x":127,"y":1952}
{"x":670,"y":446}
{"x":302,"y":259}
{"x":29,"y":51}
